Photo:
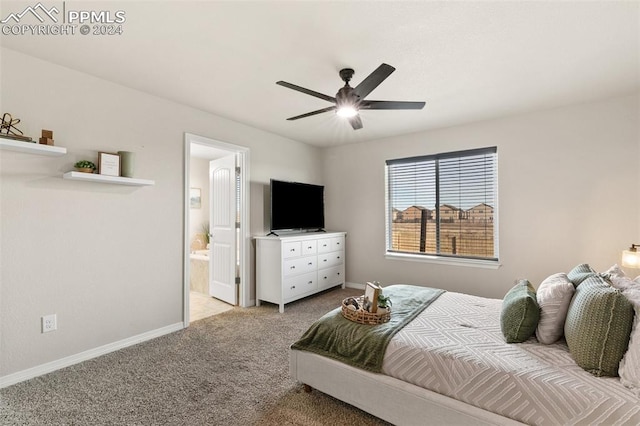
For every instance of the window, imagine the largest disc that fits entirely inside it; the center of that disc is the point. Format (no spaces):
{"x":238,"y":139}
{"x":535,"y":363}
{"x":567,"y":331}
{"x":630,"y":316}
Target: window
{"x":443,"y":205}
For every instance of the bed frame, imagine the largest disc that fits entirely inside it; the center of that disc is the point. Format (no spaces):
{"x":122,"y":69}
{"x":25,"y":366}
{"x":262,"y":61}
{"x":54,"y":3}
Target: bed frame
{"x":385,"y":397}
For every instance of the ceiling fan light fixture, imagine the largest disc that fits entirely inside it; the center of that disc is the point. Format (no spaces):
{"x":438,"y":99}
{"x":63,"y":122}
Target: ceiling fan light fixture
{"x":347,"y":111}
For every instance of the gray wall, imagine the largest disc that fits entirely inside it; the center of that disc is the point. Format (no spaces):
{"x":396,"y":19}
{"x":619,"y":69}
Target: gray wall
{"x":107,"y":259}
{"x":568,"y":193}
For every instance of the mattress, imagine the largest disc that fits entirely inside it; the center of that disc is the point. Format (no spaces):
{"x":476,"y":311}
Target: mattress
{"x":455,"y":348}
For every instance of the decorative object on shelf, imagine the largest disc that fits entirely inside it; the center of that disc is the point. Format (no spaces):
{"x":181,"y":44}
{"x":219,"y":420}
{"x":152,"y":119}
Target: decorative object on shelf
{"x":361,"y":316}
{"x":108,"y":164}
{"x":9,"y":130}
{"x":195,"y":200}
{"x":47,"y":137}
{"x":127,"y":159}
{"x":85,"y":166}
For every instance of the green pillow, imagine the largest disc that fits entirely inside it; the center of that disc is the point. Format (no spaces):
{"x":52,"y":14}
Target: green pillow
{"x":580,"y":273}
{"x":520,"y":312}
{"x":598,"y":326}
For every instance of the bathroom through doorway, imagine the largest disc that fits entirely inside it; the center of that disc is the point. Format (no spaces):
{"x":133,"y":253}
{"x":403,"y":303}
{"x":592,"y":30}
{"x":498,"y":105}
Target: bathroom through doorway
{"x":216,"y":228}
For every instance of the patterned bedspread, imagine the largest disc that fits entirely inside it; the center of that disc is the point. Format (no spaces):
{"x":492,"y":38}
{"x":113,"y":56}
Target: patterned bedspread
{"x":455,"y":348}
{"x":363,"y":346}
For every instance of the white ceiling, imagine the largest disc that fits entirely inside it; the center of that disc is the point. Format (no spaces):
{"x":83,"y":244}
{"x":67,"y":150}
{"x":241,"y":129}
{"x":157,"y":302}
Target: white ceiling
{"x":469,"y":61}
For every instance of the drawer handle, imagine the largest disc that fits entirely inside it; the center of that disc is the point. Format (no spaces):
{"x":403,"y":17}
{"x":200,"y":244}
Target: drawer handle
{"x":338,"y":273}
{"x":324,"y":260}
{"x":324,"y":245}
{"x":293,"y":267}
{"x":310,"y":263}
{"x":292,"y":287}
{"x":325,"y":278}
{"x":310,"y":247}
{"x":337,"y":244}
{"x":310,"y":282}
{"x":338,"y":257}
{"x":292,"y":250}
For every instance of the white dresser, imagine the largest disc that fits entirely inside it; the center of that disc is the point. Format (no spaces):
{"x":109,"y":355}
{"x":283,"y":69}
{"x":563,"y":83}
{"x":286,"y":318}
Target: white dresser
{"x":291,"y":267}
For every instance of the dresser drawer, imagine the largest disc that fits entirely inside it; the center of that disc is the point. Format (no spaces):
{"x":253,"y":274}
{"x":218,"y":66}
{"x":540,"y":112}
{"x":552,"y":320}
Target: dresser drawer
{"x":324,"y":245}
{"x":300,"y":265}
{"x":291,"y":249}
{"x":299,"y":285}
{"x":337,"y":243}
{"x":309,"y":247}
{"x":330,"y":259}
{"x":330,"y":277}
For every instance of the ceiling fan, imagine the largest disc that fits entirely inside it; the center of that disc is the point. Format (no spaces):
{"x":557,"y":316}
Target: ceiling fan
{"x":350,"y":100}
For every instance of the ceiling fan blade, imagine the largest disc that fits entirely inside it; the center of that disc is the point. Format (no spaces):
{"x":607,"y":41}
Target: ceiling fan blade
{"x":356,"y":122}
{"x":307,"y":91}
{"x":309,"y":114}
{"x":391,"y":105}
{"x":373,"y":80}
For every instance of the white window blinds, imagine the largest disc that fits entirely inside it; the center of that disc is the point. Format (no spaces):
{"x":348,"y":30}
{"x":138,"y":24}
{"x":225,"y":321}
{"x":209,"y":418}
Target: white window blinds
{"x":443,"y":204}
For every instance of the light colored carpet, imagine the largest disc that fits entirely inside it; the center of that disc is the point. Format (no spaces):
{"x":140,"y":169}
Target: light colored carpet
{"x":229,"y":369}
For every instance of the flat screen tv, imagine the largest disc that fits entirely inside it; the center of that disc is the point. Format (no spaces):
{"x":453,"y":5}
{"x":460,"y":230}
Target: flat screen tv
{"x":296,"y":206}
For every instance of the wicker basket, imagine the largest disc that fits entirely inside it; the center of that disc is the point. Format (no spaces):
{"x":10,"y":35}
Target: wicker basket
{"x":363,"y":317}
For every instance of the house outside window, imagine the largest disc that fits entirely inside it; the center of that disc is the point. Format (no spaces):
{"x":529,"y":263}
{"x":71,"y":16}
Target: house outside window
{"x":443,"y":205}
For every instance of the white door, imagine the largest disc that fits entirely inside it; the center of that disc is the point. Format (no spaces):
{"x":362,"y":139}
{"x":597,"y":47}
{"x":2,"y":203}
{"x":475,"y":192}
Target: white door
{"x":222,"y":248}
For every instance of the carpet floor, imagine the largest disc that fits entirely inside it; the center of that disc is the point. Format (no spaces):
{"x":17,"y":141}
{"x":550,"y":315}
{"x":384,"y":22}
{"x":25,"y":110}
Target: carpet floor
{"x":229,"y":369}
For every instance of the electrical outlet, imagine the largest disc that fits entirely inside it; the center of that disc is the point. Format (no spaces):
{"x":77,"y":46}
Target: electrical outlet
{"x":49,"y":323}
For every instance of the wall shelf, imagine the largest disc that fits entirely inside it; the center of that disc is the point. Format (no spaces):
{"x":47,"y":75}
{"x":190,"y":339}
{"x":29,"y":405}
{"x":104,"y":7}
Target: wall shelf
{"x":90,"y":177}
{"x":31,"y":148}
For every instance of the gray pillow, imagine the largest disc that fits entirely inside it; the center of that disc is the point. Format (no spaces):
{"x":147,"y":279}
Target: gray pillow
{"x":520,"y":312}
{"x":598,"y":326}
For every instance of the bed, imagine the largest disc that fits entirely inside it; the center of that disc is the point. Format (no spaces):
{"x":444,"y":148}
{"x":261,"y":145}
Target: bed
{"x":450,"y":364}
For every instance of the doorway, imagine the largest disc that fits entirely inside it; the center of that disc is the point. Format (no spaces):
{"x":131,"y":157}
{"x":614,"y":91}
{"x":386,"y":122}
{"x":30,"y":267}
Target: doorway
{"x":216,"y":225}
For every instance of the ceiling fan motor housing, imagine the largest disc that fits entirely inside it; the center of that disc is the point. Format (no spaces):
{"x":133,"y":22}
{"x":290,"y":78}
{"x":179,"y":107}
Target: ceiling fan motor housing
{"x":346,"y":74}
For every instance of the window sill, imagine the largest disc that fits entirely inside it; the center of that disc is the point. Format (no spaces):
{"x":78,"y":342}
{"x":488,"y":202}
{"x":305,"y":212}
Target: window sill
{"x":473,"y":263}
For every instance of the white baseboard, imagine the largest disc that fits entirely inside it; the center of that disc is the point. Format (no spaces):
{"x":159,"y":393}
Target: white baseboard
{"x":354,"y":285}
{"x":30,"y":373}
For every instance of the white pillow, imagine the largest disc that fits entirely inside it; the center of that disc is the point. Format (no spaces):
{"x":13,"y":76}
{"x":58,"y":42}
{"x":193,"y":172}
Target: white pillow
{"x":614,"y":272}
{"x":554,"y":296}
{"x":624,"y":283}
{"x":629,"y":368}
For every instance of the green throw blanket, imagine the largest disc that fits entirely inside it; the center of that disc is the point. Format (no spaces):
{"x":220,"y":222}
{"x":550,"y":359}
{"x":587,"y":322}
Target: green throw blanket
{"x":360,"y":345}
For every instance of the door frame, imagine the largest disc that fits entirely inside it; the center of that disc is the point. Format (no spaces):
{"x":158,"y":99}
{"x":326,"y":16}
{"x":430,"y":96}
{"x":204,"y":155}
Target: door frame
{"x":244,"y":243}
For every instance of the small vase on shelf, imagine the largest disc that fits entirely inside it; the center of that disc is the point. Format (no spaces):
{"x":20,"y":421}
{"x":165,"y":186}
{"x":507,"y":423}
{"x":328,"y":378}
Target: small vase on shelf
{"x":126,"y":163}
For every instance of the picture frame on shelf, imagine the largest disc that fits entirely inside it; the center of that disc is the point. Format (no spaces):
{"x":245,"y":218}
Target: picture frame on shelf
{"x":108,"y":164}
{"x":195,"y":198}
